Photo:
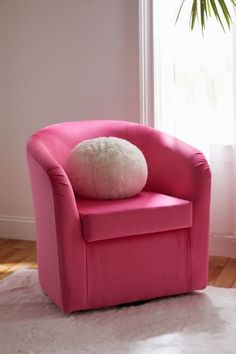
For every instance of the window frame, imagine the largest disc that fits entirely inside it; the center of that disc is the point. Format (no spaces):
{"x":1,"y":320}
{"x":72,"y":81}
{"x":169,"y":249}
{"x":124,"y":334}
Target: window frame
{"x":146,"y":63}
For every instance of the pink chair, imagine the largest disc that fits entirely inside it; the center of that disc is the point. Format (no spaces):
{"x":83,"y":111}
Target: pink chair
{"x":94,"y":253}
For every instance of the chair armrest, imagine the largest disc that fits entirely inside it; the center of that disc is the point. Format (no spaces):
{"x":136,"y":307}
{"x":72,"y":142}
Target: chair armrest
{"x":61,"y":249}
{"x":59,"y":180}
{"x":178,"y":169}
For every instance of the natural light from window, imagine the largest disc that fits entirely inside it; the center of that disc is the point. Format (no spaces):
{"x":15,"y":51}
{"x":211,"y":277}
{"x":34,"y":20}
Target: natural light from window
{"x":193,"y":78}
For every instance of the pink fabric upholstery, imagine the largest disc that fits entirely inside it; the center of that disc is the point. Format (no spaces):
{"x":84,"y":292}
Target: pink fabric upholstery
{"x":138,"y":267}
{"x":143,"y":214}
{"x":148,"y":252}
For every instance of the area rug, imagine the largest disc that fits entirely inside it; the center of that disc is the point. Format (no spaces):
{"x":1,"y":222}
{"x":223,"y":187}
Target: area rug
{"x":202,"y":322}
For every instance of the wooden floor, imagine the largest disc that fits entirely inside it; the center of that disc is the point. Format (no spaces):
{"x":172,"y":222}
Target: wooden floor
{"x":15,"y":254}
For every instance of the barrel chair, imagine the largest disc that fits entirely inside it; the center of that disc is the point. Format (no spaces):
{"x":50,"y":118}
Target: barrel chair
{"x":99,"y":253}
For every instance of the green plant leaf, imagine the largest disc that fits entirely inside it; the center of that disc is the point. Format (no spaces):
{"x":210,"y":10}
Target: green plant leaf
{"x":215,"y":10}
{"x":225,"y":12}
{"x":207,"y":8}
{"x":194,"y":14}
{"x":180,"y":8}
{"x":202,"y":10}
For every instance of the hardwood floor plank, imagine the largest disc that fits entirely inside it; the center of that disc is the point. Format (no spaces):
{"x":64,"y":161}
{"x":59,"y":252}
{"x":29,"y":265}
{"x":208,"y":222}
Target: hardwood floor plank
{"x":21,"y":265}
{"x":15,"y":258}
{"x":21,"y":256}
{"x":7,"y":253}
{"x":227,"y":277}
{"x":4,"y":243}
{"x":218,"y":261}
{"x":3,"y":275}
{"x":214,"y":272}
{"x":25,"y":244}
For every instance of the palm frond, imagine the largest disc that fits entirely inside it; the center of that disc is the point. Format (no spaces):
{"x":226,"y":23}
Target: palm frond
{"x":225,"y":12}
{"x":209,"y":7}
{"x":179,"y":11}
{"x":216,"y":13}
{"x":206,"y":8}
{"x":194,"y":14}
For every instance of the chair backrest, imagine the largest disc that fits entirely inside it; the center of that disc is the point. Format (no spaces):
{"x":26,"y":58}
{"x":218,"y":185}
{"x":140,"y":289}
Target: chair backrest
{"x":60,"y":138}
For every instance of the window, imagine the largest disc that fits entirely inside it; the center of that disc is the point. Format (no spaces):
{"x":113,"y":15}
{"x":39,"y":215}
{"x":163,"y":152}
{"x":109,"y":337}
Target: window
{"x":194,"y":98}
{"x":193,"y":78}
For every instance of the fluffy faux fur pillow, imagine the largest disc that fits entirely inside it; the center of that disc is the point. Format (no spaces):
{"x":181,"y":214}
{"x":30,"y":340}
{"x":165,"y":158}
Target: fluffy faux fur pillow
{"x":106,"y":168}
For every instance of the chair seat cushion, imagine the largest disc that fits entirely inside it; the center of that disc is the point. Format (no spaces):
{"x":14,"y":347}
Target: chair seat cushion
{"x":143,"y":214}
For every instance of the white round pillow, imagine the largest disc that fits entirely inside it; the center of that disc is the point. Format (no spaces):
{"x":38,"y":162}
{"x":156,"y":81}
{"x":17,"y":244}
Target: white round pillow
{"x":106,"y":168}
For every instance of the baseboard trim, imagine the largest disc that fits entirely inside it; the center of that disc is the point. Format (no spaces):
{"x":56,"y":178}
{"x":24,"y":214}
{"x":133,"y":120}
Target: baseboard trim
{"x":222,"y":245}
{"x":17,"y":227}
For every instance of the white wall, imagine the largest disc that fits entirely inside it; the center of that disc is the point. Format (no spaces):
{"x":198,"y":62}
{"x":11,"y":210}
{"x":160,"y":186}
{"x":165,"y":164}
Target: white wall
{"x":59,"y":60}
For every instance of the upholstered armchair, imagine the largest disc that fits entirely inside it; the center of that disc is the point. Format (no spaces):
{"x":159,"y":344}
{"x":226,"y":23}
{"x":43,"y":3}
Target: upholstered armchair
{"x":98,"y":253}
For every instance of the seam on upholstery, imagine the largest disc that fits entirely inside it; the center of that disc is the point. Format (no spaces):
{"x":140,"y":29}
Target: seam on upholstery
{"x":59,"y":247}
{"x":87,"y":288}
{"x":188,"y":258}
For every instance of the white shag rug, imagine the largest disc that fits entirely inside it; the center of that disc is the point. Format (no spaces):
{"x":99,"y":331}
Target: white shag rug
{"x":202,"y":322}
